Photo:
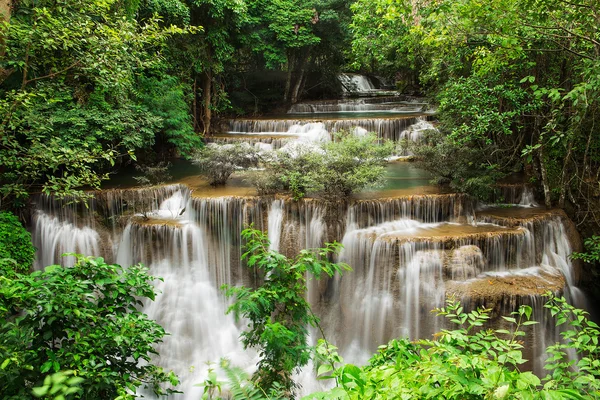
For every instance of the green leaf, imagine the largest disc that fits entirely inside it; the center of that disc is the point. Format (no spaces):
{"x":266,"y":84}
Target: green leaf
{"x":40,"y":391}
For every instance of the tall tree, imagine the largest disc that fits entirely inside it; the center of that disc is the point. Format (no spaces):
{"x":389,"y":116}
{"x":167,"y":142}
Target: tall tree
{"x":284,"y":34}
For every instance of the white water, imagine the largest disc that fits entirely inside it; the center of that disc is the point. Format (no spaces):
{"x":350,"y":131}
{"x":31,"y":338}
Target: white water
{"x":415,"y":132}
{"x":393,"y":106}
{"x":54,"y":237}
{"x":397,"y":277}
{"x":355,"y":83}
{"x":527,"y":198}
{"x":318,"y":129}
{"x":275,"y":218}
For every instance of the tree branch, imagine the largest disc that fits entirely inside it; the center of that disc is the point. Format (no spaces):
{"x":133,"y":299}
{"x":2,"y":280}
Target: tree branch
{"x":52,"y":75}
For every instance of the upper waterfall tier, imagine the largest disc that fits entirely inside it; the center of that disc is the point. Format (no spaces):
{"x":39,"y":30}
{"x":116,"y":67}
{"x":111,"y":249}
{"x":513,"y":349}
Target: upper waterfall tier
{"x":362,"y":85}
{"x":259,"y":141}
{"x":396,"y":104}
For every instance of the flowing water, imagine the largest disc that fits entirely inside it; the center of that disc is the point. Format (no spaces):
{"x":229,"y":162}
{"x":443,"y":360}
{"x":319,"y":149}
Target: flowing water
{"x":409,"y":245}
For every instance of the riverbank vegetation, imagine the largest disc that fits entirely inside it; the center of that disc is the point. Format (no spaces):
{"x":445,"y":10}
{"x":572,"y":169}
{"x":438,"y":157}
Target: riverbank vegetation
{"x":516,"y":81}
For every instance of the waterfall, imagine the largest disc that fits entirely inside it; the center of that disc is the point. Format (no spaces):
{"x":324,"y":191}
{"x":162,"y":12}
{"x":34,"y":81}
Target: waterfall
{"x":259,"y":142}
{"x":355,"y":83}
{"x":375,"y":104}
{"x":275,"y":219}
{"x":319,"y":130}
{"x":527,"y":198}
{"x":61,"y":237}
{"x":407,"y":254}
{"x":190,"y":306}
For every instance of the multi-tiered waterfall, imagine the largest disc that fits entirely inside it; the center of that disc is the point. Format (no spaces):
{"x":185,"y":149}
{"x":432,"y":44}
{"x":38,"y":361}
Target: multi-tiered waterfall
{"x":408,"y":248}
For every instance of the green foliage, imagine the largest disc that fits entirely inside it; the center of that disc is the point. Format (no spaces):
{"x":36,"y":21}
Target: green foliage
{"x":472,"y":362}
{"x":592,"y":251}
{"x":580,"y":336}
{"x":59,"y":386}
{"x":381,"y":42}
{"x":280,"y":26}
{"x":239,"y":386}
{"x":211,"y":384}
{"x":164,"y":98}
{"x":292,"y":169}
{"x":84,"y":319}
{"x":172,"y":12}
{"x":16,"y":250}
{"x":277,"y":312}
{"x":218,"y":162}
{"x":68,"y":109}
{"x":518,"y":75}
{"x":331,"y":170}
{"x":300,"y":38}
{"x":463,"y":167}
{"x":352,"y":163}
{"x":477,"y":109}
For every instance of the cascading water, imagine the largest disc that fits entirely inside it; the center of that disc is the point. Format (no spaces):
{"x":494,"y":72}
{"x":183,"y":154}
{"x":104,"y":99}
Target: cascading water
{"x":61,"y":237}
{"x":353,"y":83}
{"x":407,"y":254}
{"x":275,"y":219}
{"x":387,"y":128}
{"x":381,"y":104}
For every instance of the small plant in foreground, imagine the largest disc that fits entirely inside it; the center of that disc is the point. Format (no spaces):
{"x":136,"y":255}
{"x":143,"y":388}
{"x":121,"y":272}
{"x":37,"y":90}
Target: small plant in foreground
{"x":277,"y":311}
{"x":472,"y":362}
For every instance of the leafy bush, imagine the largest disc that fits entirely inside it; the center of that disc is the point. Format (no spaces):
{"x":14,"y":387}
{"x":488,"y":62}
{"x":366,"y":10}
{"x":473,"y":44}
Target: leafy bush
{"x":331,"y":170}
{"x":16,"y":250}
{"x":463,"y":167}
{"x":85,"y":319}
{"x":592,"y":251}
{"x":292,"y":169}
{"x":485,"y":109}
{"x":351,"y":164}
{"x":60,"y":385}
{"x":164,"y":98}
{"x":218,"y":162}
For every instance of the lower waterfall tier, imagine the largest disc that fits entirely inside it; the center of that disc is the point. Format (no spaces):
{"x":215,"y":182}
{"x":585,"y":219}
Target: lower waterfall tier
{"x":407,"y":253}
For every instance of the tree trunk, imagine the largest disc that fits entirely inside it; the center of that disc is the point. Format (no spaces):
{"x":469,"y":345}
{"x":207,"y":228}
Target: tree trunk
{"x":300,"y":79}
{"x":296,"y":91}
{"x":5,"y":16}
{"x":290,"y":71}
{"x":207,"y":93}
{"x":545,"y":183}
{"x":5,"y":9}
{"x":540,"y":157}
{"x":564,"y":182}
{"x":195,"y":104}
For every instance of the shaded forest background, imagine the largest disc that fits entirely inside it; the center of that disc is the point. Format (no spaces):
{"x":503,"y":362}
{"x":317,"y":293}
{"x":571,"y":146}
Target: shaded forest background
{"x":89,"y":86}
